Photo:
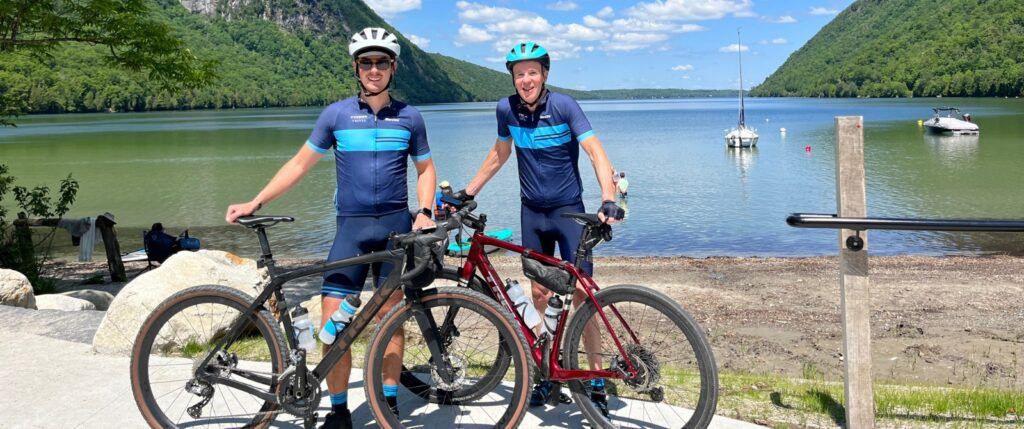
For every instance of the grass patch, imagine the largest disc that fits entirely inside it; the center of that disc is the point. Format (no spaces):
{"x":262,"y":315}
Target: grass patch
{"x":794,"y":402}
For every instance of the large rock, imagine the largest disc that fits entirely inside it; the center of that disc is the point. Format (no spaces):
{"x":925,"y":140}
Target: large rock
{"x":15,"y":290}
{"x":63,"y":303}
{"x":98,"y":298}
{"x":137,"y":300}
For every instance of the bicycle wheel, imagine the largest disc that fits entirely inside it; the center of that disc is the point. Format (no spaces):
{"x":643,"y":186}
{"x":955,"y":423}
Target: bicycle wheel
{"x":175,"y":339}
{"x":483,"y":330}
{"x":677,"y":382}
{"x":486,"y":382}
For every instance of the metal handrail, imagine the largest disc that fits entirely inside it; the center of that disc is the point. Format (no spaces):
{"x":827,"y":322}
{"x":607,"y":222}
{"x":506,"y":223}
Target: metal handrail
{"x":833,"y":221}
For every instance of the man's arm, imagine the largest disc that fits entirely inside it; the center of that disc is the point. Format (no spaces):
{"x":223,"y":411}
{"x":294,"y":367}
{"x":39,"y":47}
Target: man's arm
{"x":492,"y":163}
{"x":285,"y":179}
{"x":425,"y":184}
{"x":602,"y":168}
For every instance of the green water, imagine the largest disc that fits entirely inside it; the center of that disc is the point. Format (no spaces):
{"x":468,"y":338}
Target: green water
{"x":689,"y":195}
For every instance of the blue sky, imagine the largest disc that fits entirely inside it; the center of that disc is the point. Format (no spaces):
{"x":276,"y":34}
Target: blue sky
{"x":620,"y":44}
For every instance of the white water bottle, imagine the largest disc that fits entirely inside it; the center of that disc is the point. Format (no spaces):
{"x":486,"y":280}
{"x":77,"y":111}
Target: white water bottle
{"x":303,"y":328}
{"x":551,"y":315}
{"x":523,"y":305}
{"x":340,"y":318}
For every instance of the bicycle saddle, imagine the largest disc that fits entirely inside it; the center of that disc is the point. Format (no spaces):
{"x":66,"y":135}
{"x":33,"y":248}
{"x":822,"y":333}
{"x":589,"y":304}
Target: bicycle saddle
{"x":588,"y":219}
{"x":262,"y":220}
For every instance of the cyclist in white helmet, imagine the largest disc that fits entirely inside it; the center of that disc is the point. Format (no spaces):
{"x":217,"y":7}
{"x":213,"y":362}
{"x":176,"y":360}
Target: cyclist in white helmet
{"x":371,"y":199}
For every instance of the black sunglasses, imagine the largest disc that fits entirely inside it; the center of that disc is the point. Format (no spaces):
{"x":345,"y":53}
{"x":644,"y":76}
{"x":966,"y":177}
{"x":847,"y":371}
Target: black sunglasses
{"x":366,"y":65}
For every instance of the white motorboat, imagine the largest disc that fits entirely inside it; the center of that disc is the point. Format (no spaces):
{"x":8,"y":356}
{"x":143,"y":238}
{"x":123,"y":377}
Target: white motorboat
{"x":949,"y":120}
{"x":742,"y":135}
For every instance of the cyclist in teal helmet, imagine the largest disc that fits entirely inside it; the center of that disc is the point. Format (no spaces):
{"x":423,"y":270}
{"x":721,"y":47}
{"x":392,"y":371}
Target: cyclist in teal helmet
{"x":548,"y":129}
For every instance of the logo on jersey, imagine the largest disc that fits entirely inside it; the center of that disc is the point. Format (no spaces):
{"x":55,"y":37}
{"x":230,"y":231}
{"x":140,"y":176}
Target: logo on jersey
{"x":358,"y":118}
{"x":391,"y":119}
{"x":545,"y":116}
{"x":522,"y":116}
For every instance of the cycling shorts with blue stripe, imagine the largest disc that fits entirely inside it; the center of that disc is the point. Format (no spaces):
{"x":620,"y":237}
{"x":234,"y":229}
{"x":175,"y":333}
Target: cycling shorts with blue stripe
{"x":359,"y":235}
{"x":544,"y":227}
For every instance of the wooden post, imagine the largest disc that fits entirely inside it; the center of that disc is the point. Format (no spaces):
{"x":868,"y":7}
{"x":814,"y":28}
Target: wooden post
{"x":106,"y":226}
{"x":853,"y":273}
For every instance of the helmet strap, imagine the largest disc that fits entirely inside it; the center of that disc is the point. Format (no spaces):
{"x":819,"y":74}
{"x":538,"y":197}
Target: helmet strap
{"x":362,"y":89}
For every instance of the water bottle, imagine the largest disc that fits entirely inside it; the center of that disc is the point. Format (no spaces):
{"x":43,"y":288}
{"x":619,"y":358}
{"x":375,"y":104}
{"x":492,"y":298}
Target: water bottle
{"x":340,"y":318}
{"x":551,"y":315}
{"x":522,"y":304}
{"x":303,"y":328}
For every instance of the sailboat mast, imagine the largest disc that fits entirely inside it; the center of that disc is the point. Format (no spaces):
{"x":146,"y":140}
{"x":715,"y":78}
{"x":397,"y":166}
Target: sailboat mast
{"x":739,"y":52}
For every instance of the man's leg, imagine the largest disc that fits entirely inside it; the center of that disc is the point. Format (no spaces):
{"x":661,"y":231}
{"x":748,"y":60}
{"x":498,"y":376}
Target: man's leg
{"x":337,"y":285}
{"x":395,"y":351}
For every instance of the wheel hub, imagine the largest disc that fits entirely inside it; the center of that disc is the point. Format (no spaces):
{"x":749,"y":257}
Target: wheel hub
{"x":648,"y":370}
{"x":458,"y":380}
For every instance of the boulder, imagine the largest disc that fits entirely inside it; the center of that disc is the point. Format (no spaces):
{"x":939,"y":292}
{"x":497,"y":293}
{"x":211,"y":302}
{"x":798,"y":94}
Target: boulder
{"x":98,"y":298}
{"x":134,"y":303}
{"x":62,"y":303}
{"x":15,"y":290}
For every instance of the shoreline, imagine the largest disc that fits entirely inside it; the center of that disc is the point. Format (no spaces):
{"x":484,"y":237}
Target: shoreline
{"x":942,"y":320}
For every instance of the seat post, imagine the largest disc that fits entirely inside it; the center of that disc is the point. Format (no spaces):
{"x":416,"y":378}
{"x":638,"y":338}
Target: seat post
{"x":265,"y":255}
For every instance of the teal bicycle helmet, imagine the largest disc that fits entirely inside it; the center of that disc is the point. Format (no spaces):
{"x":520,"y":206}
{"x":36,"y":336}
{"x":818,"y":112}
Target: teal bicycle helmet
{"x":528,"y":51}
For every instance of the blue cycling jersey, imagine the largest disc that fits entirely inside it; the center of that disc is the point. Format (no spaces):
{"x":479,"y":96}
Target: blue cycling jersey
{"x":370,"y":153}
{"x":547,"y":147}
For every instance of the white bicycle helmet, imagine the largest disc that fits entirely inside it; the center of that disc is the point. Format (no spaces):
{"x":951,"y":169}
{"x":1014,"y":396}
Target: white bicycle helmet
{"x":374,"y":39}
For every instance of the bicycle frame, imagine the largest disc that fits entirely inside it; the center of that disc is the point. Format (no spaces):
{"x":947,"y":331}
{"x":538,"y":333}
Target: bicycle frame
{"x":341,"y":345}
{"x":476,"y":259}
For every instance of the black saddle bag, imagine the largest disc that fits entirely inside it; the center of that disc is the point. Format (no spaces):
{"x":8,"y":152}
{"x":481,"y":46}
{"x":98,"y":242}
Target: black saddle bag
{"x":554,"y":278}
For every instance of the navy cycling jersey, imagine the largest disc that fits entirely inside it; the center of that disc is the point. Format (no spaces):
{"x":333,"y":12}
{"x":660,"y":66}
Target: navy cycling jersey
{"x":370,"y":153}
{"x":547,"y":147}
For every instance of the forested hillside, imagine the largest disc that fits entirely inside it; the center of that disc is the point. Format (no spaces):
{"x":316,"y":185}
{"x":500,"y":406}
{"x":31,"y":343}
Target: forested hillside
{"x":902,"y":48}
{"x":269,"y":52}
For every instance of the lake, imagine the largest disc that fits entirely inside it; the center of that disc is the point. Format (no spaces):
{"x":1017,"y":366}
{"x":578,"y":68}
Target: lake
{"x":689,"y":194}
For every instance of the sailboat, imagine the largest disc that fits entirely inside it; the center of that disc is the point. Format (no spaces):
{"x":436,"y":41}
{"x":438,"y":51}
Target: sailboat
{"x":742,"y":135}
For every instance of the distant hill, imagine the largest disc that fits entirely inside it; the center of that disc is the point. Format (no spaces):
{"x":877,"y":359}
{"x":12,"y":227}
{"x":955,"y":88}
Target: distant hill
{"x":902,"y":48}
{"x":270,"y":52}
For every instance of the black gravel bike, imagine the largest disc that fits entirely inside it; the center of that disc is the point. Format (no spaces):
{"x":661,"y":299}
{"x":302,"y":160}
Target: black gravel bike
{"x":214,"y":356}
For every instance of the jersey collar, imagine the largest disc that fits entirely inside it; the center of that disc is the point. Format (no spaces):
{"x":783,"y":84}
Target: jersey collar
{"x":541,"y":106}
{"x":363,"y":105}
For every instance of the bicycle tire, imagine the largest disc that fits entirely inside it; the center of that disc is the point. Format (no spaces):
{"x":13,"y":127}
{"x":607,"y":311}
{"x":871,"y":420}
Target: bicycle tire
{"x":173,"y":355}
{"x":489,"y":315}
{"x":487,"y":382}
{"x":625,"y":298}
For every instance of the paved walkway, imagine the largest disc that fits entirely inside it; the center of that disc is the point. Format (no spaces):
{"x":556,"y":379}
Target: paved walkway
{"x":52,"y":383}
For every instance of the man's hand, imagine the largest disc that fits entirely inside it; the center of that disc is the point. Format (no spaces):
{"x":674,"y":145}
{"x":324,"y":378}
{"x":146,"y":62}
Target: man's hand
{"x":236,"y":211}
{"x":610,"y":213}
{"x":422,"y":221}
{"x":463,"y":196}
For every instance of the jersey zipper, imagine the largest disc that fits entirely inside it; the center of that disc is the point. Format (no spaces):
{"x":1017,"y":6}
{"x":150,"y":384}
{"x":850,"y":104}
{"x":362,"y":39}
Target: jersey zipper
{"x":376,"y":169}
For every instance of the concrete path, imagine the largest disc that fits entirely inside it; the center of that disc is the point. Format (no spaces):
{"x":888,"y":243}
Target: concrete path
{"x":53,"y":383}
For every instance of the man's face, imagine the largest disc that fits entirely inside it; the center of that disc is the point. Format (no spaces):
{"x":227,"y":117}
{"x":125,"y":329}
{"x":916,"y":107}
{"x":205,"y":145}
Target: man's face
{"x":529,"y":78}
{"x":375,"y":71}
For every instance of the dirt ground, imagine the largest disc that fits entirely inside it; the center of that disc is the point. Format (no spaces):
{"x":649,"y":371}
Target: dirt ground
{"x":935,"y":320}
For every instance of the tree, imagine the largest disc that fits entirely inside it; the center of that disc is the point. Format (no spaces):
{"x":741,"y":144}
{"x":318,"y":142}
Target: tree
{"x":134,"y":40}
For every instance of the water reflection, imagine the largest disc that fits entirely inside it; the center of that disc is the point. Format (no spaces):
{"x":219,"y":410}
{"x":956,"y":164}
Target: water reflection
{"x":743,"y":159}
{"x":951,"y":149}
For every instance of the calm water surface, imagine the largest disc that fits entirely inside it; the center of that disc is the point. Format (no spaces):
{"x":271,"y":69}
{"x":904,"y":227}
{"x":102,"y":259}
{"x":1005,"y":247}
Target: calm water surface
{"x":689,"y":194}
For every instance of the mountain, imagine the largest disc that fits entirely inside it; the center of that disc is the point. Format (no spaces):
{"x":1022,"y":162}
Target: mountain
{"x":903,"y":48}
{"x":270,"y":52}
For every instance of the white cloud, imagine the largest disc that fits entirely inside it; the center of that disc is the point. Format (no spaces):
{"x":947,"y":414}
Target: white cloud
{"x":471,"y":34}
{"x":495,"y":59}
{"x":521,"y":25}
{"x":779,"y":41}
{"x":593,"y":21}
{"x":605,"y":12}
{"x":734,"y":48}
{"x":785,"y":19}
{"x":476,"y":12}
{"x":579,"y":32}
{"x":823,"y":11}
{"x":687,"y":67}
{"x":389,"y":8}
{"x":563,"y":5}
{"x":685,"y":10}
{"x":632,"y":41}
{"x":633,"y":25}
{"x":422,"y":42}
